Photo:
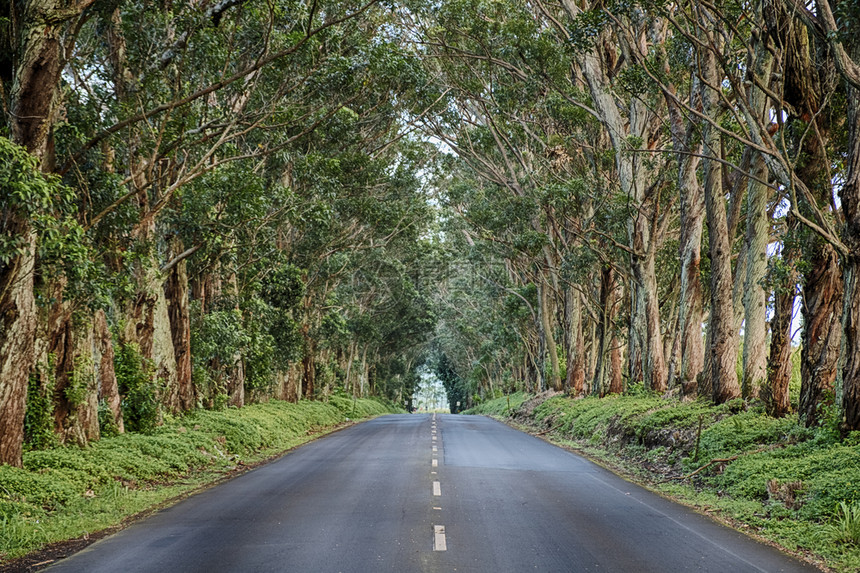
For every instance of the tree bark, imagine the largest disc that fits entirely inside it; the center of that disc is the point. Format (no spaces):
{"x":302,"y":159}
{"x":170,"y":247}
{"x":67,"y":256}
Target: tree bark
{"x":775,"y":393}
{"x":32,"y":111}
{"x":723,"y":345}
{"x":850,"y":196}
{"x":603,"y":375}
{"x":236,"y":383}
{"x":757,"y":237}
{"x":822,"y":296}
{"x":147,"y":324}
{"x":551,"y":352}
{"x":309,"y":368}
{"x":17,"y":332}
{"x":575,"y":343}
{"x":179,"y":316}
{"x":108,"y":389}
{"x":755,"y":298}
{"x":616,"y":381}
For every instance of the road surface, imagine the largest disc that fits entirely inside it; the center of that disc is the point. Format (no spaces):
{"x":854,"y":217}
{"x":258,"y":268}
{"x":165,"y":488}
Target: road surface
{"x":435,"y":493}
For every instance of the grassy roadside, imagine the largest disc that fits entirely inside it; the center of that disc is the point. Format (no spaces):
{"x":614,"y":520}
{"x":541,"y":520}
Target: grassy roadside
{"x":70,"y":493}
{"x":772,"y":478}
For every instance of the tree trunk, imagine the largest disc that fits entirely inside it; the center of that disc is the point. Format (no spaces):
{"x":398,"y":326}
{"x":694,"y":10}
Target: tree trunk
{"x":575,"y":343}
{"x":58,"y":342}
{"x":348,"y":369}
{"x":616,"y":381}
{"x":236,"y":383}
{"x":756,"y":240}
{"x":289,"y":383}
{"x":755,"y":298}
{"x":179,"y":316}
{"x":108,"y":389}
{"x":309,"y":369}
{"x":554,"y":379}
{"x":672,"y":338}
{"x":775,"y":393}
{"x":723,"y":345}
{"x":147,"y":324}
{"x":603,"y":369}
{"x":17,"y":332}
{"x":850,"y":196}
{"x":822,"y":298}
{"x":32,"y":111}
{"x":646,"y":315}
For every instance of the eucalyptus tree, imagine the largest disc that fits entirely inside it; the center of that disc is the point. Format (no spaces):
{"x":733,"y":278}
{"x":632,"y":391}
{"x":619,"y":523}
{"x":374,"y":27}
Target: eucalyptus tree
{"x":633,"y":125}
{"x":35,"y":39}
{"x":812,"y":122}
{"x":845,"y":54}
{"x":178,"y":127}
{"x":515,"y":115}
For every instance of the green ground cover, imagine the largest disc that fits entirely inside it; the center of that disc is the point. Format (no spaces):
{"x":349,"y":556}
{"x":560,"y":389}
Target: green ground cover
{"x":774,"y":478}
{"x":67,"y":492}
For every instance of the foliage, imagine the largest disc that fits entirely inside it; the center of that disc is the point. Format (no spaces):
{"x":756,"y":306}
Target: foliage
{"x":79,"y":380}
{"x":455,"y":387}
{"x":39,"y":416}
{"x":107,"y":425}
{"x":139,"y":389}
{"x":846,"y":524}
{"x":29,"y":192}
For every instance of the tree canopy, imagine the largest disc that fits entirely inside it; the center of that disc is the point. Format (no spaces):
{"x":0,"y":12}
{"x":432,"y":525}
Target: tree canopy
{"x":212,"y":203}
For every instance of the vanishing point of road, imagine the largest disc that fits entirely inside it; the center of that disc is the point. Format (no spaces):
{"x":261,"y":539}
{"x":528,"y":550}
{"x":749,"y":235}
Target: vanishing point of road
{"x":436,"y":493}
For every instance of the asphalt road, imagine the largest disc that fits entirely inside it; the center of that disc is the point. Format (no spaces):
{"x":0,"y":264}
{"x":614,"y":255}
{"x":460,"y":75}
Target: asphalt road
{"x":428,"y":493}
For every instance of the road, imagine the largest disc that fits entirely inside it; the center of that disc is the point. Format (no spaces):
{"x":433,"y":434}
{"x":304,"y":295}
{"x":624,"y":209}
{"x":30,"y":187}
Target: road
{"x":435,"y":493}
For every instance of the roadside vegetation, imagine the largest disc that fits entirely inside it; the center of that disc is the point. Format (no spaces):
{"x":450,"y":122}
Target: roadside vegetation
{"x":68,"y":492}
{"x":770,"y":477}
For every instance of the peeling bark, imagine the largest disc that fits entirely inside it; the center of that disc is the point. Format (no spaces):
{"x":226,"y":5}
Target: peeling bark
{"x":755,"y":298}
{"x":723,"y":339}
{"x":17,"y":325}
{"x":147,"y":324}
{"x":32,"y":110}
{"x":575,"y":382}
{"x":603,"y":375}
{"x":108,"y":389}
{"x":775,"y":393}
{"x":179,"y":316}
{"x":850,"y":196}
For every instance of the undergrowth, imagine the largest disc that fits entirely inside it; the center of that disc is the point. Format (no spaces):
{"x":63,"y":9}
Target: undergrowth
{"x":774,"y":477}
{"x":65,"y":492}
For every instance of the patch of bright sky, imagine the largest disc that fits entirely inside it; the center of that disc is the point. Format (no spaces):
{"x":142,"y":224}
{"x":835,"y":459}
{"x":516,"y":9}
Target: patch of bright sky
{"x":431,"y":395}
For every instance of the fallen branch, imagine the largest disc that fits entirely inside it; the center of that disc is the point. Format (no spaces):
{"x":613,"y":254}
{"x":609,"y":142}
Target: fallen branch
{"x":548,"y":430}
{"x":731,"y":459}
